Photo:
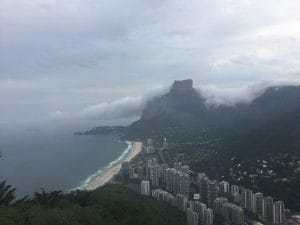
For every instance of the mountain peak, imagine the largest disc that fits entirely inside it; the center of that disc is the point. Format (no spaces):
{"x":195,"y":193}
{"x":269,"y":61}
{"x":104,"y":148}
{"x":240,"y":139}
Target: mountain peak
{"x":182,"y":85}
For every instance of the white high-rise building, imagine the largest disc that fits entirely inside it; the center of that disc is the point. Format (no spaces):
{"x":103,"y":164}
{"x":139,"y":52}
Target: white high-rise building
{"x":223,"y":187}
{"x":268,"y":208}
{"x":278,"y":212}
{"x":155,"y":175}
{"x":203,"y":181}
{"x":171,"y":180}
{"x":235,"y":192}
{"x":200,"y":208}
{"x":257,"y":203}
{"x":212,"y":192}
{"x":184,"y":183}
{"x":247,"y":197}
{"x":192,"y":217}
{"x":181,"y":202}
{"x":218,"y":205}
{"x":145,"y":187}
{"x":208,"y":217}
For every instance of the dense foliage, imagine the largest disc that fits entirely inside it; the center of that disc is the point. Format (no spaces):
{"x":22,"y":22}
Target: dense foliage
{"x":109,"y":205}
{"x":7,"y":193}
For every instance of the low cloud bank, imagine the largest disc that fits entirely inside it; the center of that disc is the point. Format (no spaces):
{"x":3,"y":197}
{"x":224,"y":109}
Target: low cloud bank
{"x":230,"y":96}
{"x":130,"y":108}
{"x":127,"y":108}
{"x":121,"y":108}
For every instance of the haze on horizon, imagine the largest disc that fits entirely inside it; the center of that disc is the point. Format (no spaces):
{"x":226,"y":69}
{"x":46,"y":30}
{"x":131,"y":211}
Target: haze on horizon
{"x":99,"y":61}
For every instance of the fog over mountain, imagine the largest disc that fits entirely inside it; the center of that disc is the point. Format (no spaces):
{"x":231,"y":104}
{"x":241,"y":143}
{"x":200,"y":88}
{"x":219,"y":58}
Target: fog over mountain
{"x":183,"y":110}
{"x":129,"y":109}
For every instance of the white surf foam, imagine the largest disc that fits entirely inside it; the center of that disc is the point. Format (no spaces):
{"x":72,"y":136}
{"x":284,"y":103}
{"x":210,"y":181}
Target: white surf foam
{"x":90,"y":179}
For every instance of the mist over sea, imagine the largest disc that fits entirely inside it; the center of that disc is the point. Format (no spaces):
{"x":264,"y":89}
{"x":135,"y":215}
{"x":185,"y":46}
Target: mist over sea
{"x":54,"y":159}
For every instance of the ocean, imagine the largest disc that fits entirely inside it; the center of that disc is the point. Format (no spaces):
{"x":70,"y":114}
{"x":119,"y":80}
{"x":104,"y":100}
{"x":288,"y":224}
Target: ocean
{"x":55,"y":159}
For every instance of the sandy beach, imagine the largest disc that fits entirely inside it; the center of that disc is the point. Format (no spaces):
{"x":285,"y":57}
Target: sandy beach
{"x":108,"y":174}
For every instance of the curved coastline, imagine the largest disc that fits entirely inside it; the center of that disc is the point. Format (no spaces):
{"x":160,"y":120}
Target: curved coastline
{"x":105,"y":174}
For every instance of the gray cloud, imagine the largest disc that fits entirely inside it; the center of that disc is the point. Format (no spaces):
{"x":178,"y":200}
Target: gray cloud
{"x":70,"y":55}
{"x":127,"y":108}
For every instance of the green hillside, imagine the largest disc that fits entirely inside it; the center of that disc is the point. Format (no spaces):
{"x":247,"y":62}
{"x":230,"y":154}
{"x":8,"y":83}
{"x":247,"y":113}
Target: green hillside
{"x":109,"y":205}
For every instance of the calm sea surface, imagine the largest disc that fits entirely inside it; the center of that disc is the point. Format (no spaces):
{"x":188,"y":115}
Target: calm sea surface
{"x":54,"y":160}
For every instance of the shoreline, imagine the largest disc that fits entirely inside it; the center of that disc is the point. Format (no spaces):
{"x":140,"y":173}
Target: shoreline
{"x":107,"y":175}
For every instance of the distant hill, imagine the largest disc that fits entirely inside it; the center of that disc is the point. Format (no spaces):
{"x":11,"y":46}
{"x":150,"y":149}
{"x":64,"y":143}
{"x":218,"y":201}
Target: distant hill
{"x":274,"y":103}
{"x":182,"y":111}
{"x":279,"y":135}
{"x":183,"y":106}
{"x":269,"y":122}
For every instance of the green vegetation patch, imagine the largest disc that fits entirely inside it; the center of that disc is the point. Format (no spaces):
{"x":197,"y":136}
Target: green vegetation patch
{"x":110,"y":205}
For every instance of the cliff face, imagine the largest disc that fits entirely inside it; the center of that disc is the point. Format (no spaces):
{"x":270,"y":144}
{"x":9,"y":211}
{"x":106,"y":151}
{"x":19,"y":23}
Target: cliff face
{"x":181,"y":107}
{"x":182,"y":103}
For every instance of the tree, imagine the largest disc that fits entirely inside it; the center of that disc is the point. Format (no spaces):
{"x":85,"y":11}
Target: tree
{"x":49,"y":199}
{"x":7,"y":194}
{"x":41,"y":198}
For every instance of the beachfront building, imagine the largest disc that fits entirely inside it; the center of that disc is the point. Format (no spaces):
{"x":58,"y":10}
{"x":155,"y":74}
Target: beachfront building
{"x":145,"y":187}
{"x":124,"y":171}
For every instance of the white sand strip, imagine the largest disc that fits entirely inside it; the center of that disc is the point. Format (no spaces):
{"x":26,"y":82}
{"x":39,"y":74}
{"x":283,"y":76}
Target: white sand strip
{"x":108,"y":174}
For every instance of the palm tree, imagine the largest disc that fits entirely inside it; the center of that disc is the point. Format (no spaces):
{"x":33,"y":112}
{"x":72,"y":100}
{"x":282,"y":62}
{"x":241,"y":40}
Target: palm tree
{"x":55,"y":197}
{"x":41,"y":198}
{"x":45,"y":198}
{"x":7,"y":194}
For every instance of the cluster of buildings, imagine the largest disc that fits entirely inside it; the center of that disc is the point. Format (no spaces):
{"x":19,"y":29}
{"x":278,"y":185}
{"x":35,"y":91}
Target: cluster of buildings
{"x":196,"y":211}
{"x":175,"y":180}
{"x":176,"y":183}
{"x":178,"y":179}
{"x":229,"y":211}
{"x":263,"y":208}
{"x":234,"y":203}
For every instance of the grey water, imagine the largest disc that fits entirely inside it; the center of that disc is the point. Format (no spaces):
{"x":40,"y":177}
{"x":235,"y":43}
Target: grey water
{"x":54,"y":159}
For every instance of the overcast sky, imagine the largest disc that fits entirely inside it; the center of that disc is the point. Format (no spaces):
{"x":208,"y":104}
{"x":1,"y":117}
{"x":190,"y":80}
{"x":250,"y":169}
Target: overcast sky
{"x":96,"y":60}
